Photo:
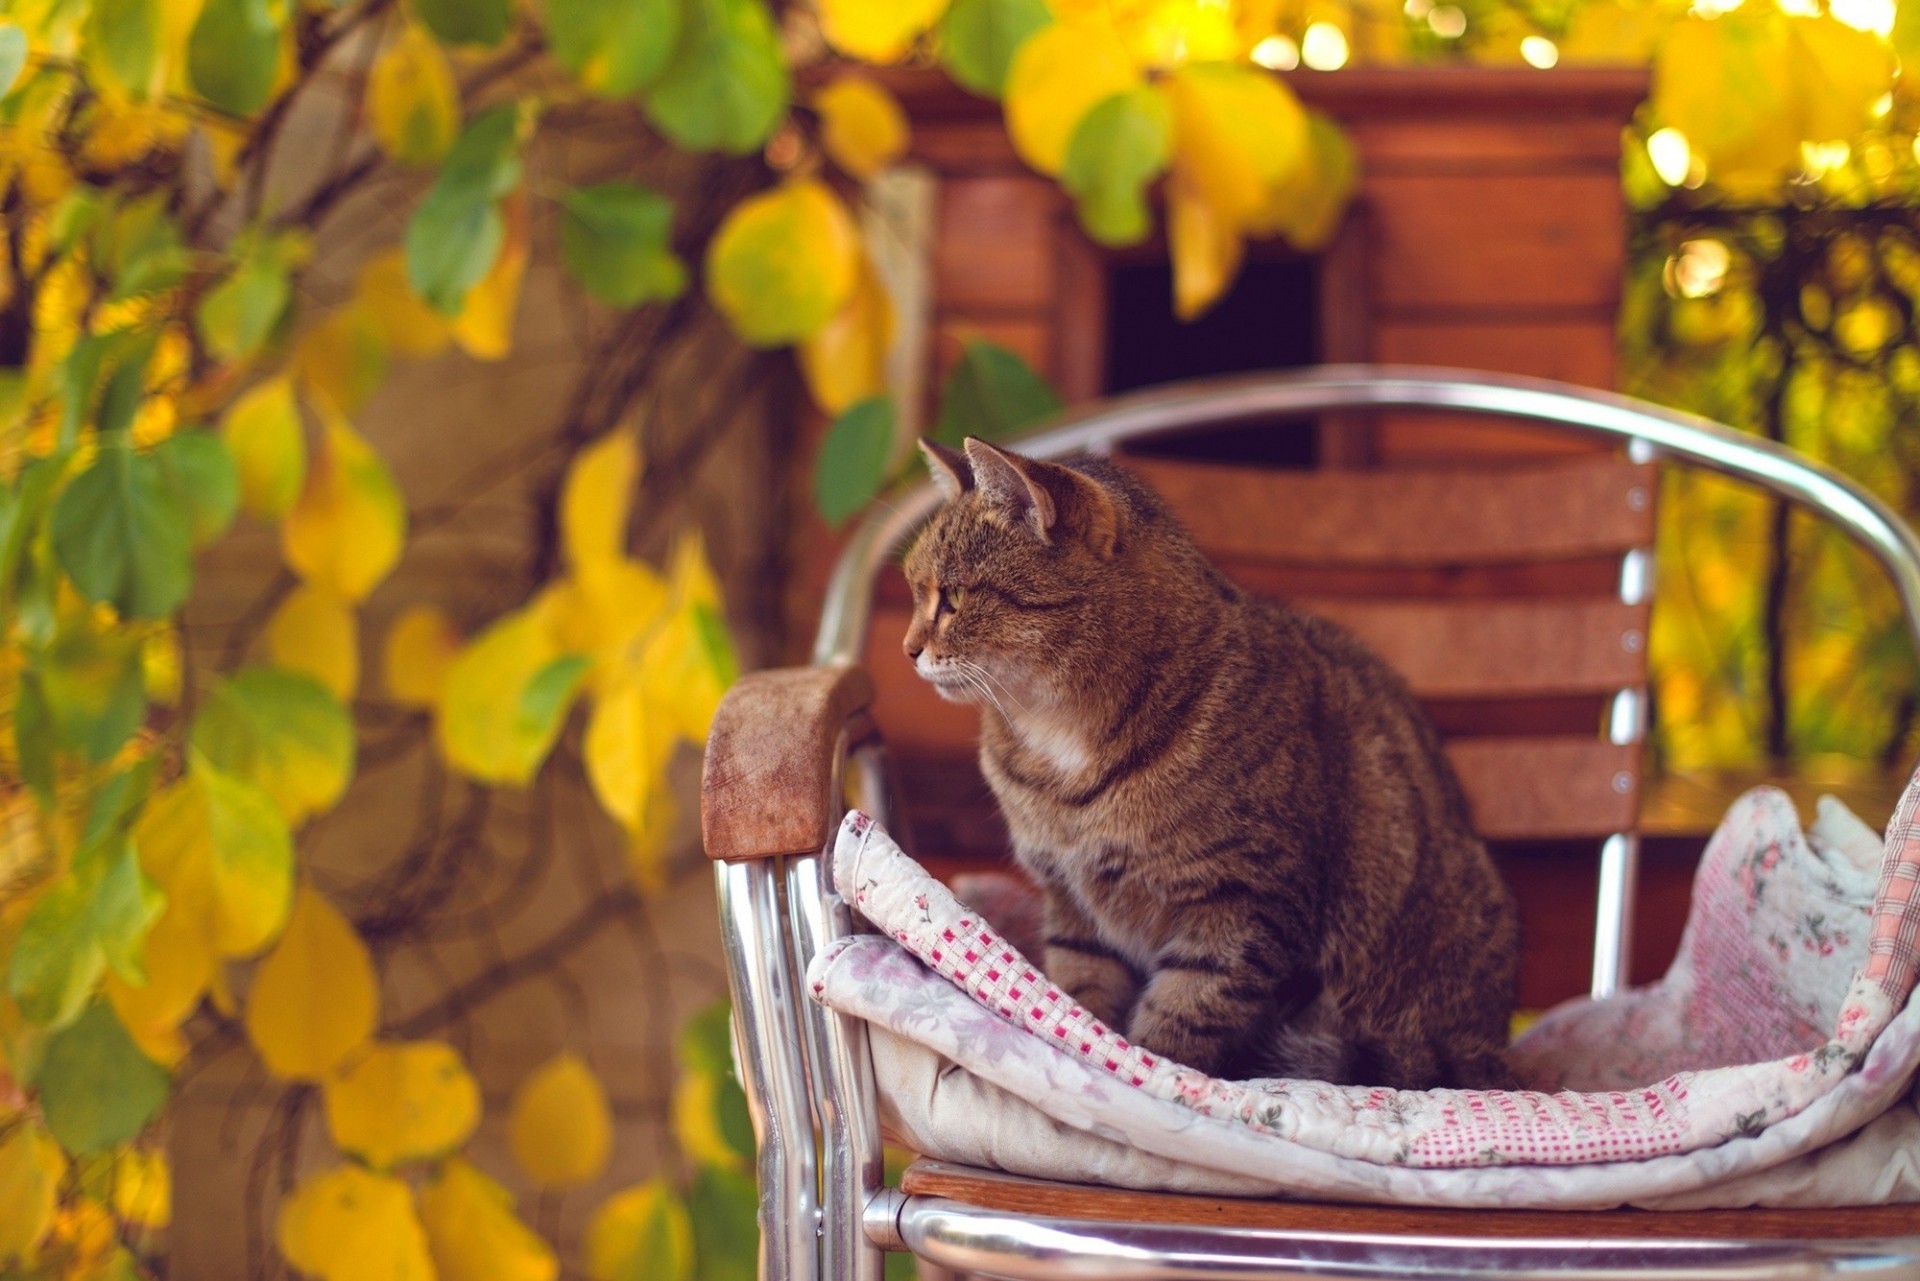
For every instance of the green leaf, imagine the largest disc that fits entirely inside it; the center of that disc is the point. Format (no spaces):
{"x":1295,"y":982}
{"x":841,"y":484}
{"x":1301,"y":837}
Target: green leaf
{"x":992,"y":394}
{"x":125,"y":386}
{"x":724,"y":1206}
{"x":457,"y":232}
{"x":122,"y":534}
{"x":613,"y":239}
{"x":233,"y":53}
{"x":1116,"y":150}
{"x":978,"y":39}
{"x":32,"y":493}
{"x":545,"y":700}
{"x":96,"y":1089}
{"x":481,"y":22}
{"x":252,"y":862}
{"x":614,"y":48}
{"x":13,"y":56}
{"x":56,"y":962}
{"x":92,"y":683}
{"x":726,"y":87}
{"x":853,"y":459}
{"x":119,"y":799}
{"x":121,"y":44}
{"x":201,"y":471}
{"x":717,"y":641}
{"x":239,"y":314}
{"x":283,"y":732}
{"x":33,"y":738}
{"x":706,"y":1040}
{"x":125,"y":903}
{"x":138,"y":247}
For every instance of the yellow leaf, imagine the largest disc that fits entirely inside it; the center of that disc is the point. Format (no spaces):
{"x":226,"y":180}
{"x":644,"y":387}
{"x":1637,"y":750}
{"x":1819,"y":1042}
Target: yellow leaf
{"x":407,"y":325}
{"x":629,"y":741}
{"x":401,"y":1102}
{"x":473,"y":1232}
{"x":847,"y":360}
{"x":342,"y":359}
{"x":1840,"y":73}
{"x":484,"y":327}
{"x":1727,"y":84}
{"x":696,"y":1122}
{"x":507,"y":695}
{"x":1239,"y":140}
{"x":641,"y":1232}
{"x":347,"y":529}
{"x":143,"y":1187}
{"x":650,"y":838}
{"x":315,"y":632}
{"x":560,"y":1127}
{"x":421,"y":646}
{"x":605,"y":609}
{"x":1206,"y":250}
{"x":596,"y":497}
{"x":178,"y":958}
{"x":1059,"y":74}
{"x":314,"y":999}
{"x":160,"y":666}
{"x":692,"y":574}
{"x":31,"y":1167}
{"x":783,"y":262}
{"x":861,"y":125}
{"x":263,"y":433}
{"x":877,"y":30}
{"x":681,"y":675}
{"x":347,"y":1224}
{"x":1308,"y":209}
{"x":219,"y":848}
{"x":413,"y":104}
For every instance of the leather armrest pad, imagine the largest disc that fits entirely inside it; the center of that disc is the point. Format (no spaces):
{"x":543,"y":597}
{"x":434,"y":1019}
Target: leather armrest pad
{"x":769,"y":765}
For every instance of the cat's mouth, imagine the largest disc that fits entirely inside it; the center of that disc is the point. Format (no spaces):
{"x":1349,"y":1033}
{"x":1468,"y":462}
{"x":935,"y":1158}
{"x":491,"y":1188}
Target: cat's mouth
{"x":950,"y":682}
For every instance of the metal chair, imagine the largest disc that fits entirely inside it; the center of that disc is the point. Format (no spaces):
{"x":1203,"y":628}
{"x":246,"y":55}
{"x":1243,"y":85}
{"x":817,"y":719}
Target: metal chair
{"x":790,"y":746}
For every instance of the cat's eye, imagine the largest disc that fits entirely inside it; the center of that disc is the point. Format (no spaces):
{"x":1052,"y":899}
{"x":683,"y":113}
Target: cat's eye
{"x":950,"y":598}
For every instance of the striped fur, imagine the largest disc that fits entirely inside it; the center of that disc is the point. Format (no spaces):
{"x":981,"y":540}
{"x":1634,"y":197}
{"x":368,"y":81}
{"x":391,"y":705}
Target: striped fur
{"x":1255,"y":857}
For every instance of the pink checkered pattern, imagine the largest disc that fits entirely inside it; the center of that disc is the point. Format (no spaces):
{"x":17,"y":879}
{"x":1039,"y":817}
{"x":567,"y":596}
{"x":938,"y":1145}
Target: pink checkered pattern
{"x":1893,"y":949}
{"x":1556,"y":1129}
{"x":963,"y":948}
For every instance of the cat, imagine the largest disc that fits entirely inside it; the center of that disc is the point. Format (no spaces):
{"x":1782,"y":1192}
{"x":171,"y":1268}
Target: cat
{"x":1254,"y":856}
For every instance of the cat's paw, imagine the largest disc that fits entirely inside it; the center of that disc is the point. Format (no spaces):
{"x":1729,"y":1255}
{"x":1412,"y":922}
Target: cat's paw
{"x":1097,"y":985}
{"x":1172,"y":1037}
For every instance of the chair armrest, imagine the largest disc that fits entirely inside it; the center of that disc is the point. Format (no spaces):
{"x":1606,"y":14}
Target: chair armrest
{"x":770,"y":767}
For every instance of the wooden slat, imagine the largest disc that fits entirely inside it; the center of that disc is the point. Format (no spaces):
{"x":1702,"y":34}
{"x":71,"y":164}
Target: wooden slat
{"x":1546,"y":788}
{"x":998,"y":1191}
{"x":1453,"y":517}
{"x":1501,"y":649}
{"x":1512,"y":242}
{"x":1451,"y":650}
{"x":994,"y":248}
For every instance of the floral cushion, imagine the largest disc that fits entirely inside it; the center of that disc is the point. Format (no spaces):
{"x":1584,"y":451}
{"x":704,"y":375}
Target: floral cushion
{"x":1025,"y":1035}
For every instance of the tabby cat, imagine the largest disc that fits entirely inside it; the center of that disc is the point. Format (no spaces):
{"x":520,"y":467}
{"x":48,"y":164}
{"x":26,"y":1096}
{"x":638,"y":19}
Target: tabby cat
{"x":1255,"y":858}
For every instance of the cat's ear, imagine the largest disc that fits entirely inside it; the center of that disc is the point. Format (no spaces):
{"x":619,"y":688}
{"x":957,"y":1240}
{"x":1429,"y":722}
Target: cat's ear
{"x":952,"y":473}
{"x":1050,"y":499}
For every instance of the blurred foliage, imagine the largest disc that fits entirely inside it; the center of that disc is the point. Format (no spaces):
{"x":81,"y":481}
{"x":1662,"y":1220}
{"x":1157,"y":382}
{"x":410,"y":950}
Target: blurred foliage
{"x":1775,"y":197}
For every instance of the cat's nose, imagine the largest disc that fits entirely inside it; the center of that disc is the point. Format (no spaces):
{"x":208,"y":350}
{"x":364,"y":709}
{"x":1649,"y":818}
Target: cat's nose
{"x":913,"y":651}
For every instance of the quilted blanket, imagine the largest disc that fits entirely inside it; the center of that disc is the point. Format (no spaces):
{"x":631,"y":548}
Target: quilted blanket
{"x":1785,"y":1024}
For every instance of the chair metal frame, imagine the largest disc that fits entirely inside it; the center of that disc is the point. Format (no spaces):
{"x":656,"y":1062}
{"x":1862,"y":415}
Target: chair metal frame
{"x":826,"y":1213}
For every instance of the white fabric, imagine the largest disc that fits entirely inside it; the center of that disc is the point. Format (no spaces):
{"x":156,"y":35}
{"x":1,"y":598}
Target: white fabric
{"x":1112,"y":1114}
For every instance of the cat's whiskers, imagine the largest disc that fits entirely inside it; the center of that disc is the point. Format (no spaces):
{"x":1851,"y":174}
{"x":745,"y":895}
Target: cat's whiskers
{"x":978,"y":670}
